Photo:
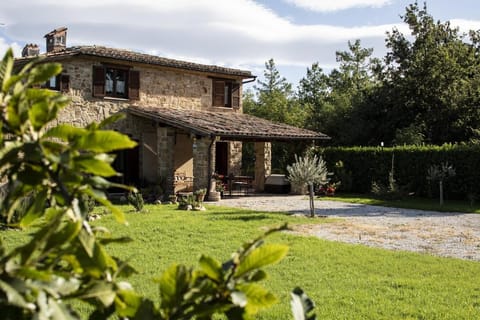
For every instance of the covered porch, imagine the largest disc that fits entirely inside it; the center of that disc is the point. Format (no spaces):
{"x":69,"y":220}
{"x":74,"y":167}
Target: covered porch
{"x":184,"y":148}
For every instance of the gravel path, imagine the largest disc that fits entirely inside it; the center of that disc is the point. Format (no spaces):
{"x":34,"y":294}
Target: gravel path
{"x":437,"y":233}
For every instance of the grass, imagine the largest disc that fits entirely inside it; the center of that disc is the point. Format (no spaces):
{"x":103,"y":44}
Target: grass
{"x":409,"y":203}
{"x":345,"y":281}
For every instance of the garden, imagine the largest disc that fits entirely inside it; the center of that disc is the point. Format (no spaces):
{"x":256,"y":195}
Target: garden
{"x":345,"y":281}
{"x":161,"y":262}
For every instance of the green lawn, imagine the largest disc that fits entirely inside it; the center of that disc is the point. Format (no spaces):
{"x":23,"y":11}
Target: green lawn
{"x":345,"y":281}
{"x":409,"y":203}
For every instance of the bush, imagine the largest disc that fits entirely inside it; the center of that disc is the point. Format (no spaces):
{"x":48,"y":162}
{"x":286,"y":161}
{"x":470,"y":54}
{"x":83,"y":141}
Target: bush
{"x":372,"y":164}
{"x":135,"y":199}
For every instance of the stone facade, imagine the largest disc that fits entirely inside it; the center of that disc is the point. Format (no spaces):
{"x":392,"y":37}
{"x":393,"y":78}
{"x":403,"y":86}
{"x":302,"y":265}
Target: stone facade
{"x":159,"y":87}
{"x":263,"y":163}
{"x":235,"y":158}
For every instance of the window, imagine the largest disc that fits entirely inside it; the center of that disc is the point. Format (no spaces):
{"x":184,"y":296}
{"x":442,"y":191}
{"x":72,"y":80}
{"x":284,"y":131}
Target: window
{"x":116,"y":82}
{"x":226,"y":93}
{"x":60,"y":82}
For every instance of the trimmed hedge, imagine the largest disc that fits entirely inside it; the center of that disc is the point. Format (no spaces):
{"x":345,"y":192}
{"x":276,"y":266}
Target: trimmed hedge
{"x":366,"y":164}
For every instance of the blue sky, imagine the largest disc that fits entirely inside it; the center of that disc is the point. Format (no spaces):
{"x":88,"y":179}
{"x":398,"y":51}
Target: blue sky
{"x":240,"y":34}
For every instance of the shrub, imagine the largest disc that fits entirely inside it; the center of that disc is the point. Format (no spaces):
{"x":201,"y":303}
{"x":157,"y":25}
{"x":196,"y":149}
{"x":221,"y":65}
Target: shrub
{"x":368,"y":164}
{"x":135,"y":199}
{"x":308,"y":171}
{"x":440,"y":173}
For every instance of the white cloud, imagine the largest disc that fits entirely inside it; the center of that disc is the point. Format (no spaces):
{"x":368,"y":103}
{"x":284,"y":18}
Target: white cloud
{"x":235,"y":33}
{"x":4,"y":45}
{"x":465,"y":25}
{"x":336,"y":5}
{"x":240,"y":34}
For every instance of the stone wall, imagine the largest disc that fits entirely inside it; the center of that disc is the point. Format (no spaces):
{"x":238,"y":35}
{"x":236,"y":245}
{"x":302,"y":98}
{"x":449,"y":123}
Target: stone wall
{"x":235,"y":158}
{"x":263,"y":164}
{"x":201,"y":166}
{"x":159,"y":87}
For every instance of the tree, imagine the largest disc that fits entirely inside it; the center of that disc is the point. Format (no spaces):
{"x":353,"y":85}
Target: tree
{"x":432,"y":80}
{"x":274,"y":100}
{"x":336,"y":101}
{"x":308,"y":171}
{"x":441,"y":174}
{"x":313,"y":92}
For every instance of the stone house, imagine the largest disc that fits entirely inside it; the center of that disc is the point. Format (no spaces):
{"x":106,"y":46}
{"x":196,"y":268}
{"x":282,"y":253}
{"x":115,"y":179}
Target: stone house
{"x":186,"y":117}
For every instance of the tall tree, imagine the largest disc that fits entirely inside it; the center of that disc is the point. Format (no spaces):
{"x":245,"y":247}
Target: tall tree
{"x":275,"y":101}
{"x":333,"y":99}
{"x":434,"y":79}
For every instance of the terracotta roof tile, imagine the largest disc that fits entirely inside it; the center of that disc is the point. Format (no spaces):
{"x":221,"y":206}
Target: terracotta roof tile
{"x":228,"y":125}
{"x":130,"y":56}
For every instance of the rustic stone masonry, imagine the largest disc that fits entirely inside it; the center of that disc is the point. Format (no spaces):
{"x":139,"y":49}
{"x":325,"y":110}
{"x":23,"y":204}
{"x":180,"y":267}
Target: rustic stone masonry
{"x":263,"y":164}
{"x":165,"y":142}
{"x":235,"y":158}
{"x":201,"y":169}
{"x":159,"y":87}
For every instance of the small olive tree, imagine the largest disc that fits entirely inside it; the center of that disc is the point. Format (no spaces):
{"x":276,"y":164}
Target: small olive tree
{"x":308,"y":171}
{"x":440,"y":173}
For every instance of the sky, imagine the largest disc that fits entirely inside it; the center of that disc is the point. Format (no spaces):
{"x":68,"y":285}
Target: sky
{"x":240,"y":34}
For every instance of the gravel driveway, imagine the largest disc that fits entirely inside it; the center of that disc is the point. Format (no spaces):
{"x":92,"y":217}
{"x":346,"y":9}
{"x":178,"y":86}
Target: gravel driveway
{"x":437,"y":233}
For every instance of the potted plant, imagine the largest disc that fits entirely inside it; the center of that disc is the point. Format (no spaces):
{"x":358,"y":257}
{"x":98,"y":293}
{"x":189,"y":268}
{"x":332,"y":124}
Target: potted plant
{"x":220,"y":187}
{"x":199,"y":197}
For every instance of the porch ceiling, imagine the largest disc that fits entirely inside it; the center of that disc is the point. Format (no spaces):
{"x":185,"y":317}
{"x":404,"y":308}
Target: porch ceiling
{"x":226,"y":125}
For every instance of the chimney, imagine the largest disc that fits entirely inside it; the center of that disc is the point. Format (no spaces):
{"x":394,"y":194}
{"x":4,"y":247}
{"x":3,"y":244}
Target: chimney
{"x":56,"y":40}
{"x":30,"y":50}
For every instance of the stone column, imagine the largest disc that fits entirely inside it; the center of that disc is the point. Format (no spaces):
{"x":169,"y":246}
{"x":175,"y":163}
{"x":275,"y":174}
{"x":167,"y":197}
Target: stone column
{"x":263,"y":164}
{"x":166,"y":154}
{"x":201,"y":170}
{"x":235,"y":158}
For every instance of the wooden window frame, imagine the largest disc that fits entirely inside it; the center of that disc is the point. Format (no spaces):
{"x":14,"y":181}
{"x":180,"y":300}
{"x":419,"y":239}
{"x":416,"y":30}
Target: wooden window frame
{"x":132,"y":82}
{"x":225,"y":93}
{"x":62,"y":83}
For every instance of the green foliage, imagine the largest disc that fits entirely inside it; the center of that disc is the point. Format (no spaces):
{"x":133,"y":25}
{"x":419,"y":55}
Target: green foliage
{"x":57,"y":169}
{"x":425,"y":90}
{"x":274,"y":100}
{"x":336,"y":102}
{"x":135,"y":199}
{"x":411,"y":135}
{"x":368,"y":164}
{"x":391,"y":190}
{"x":431,"y":80}
{"x":186,"y":202}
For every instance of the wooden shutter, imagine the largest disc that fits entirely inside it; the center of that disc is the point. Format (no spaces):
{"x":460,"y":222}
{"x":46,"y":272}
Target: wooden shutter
{"x":218,"y":93}
{"x":98,"y":89}
{"x":235,"y":95}
{"x":134,"y":85}
{"x":64,"y":82}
